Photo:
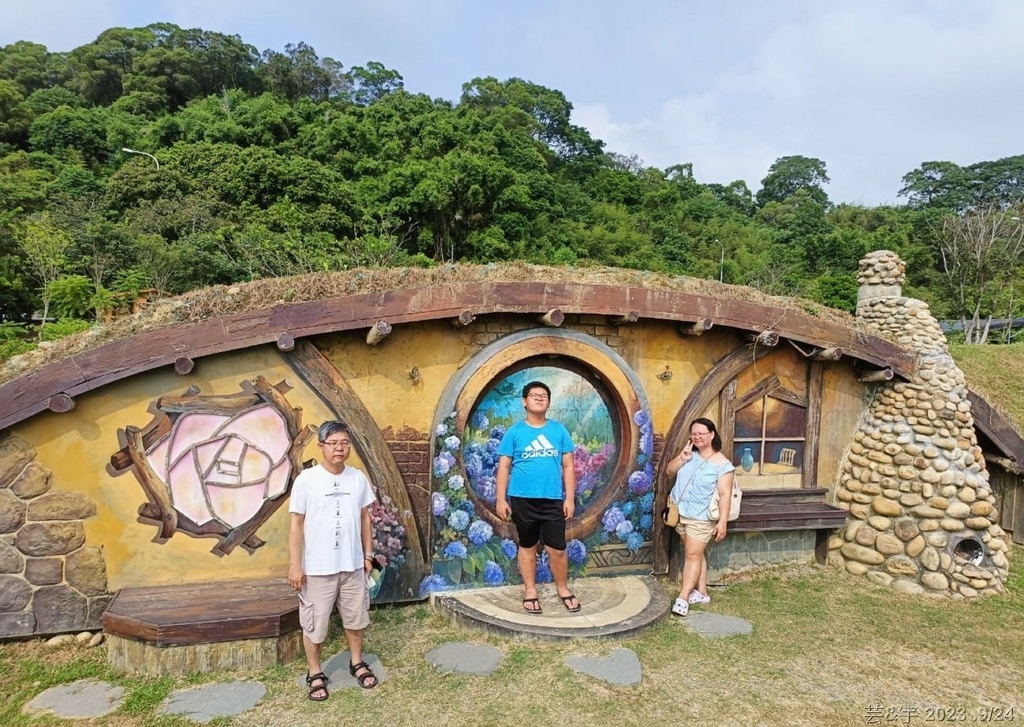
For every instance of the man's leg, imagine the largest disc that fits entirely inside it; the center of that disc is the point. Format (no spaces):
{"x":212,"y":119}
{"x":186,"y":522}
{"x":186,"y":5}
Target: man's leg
{"x":527,"y":559}
{"x":558,"y":561}
{"x":313,"y":652}
{"x":354,"y":609}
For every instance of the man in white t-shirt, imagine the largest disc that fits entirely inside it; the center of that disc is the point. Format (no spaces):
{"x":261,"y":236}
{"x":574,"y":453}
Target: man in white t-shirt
{"x":330,"y":548}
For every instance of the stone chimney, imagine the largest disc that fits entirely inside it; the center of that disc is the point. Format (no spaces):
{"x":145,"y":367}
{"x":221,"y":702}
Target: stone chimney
{"x":922,"y":513}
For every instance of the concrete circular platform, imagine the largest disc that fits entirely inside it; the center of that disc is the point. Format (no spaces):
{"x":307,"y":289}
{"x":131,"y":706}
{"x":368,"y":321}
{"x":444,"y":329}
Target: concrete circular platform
{"x":612,"y":606}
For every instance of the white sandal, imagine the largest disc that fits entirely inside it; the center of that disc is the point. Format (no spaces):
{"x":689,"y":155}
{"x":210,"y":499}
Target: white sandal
{"x":680,"y":607}
{"x":698,"y":597}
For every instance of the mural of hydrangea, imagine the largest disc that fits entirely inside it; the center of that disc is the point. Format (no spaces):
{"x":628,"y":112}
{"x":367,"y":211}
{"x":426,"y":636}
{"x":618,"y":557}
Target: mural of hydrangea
{"x":455,"y":482}
{"x":452,"y":443}
{"x":612,"y":518}
{"x":431,"y":584}
{"x":623,"y":529}
{"x":493,"y":574}
{"x":458,"y":520}
{"x":543,"y":569}
{"x":509,"y":548}
{"x":439,"y":503}
{"x":479,"y":532}
{"x":634,"y":541}
{"x":455,"y":549}
{"x":576,"y":551}
{"x":639,"y":482}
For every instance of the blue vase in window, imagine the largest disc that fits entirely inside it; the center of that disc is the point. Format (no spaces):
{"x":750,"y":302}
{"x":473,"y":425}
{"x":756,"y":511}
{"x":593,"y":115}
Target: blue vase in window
{"x":747,"y":460}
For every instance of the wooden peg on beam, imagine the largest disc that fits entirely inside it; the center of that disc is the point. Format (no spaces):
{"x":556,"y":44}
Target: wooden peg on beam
{"x":764,"y":338}
{"x":827,"y":354}
{"x":553,"y":318}
{"x":465,"y":318}
{"x":285,"y":342}
{"x":183,"y":365}
{"x":868,"y":377}
{"x":631,"y":317}
{"x":61,"y":403}
{"x":378,"y":333}
{"x":696,"y":329}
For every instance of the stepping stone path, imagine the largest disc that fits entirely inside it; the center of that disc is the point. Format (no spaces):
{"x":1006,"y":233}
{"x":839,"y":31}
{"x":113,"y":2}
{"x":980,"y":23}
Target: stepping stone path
{"x":336,"y":669}
{"x":465,"y":658}
{"x":207,"y":702}
{"x":621,"y":667}
{"x":715,"y":625}
{"x":85,"y":698}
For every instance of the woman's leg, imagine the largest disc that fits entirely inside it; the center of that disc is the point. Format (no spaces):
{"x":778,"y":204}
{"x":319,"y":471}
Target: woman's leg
{"x":693,"y":566}
{"x":702,"y":581}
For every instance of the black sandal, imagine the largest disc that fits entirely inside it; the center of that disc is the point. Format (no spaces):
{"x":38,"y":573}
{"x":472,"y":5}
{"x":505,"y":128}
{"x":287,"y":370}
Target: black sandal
{"x":365,"y":676}
{"x":317,"y":688}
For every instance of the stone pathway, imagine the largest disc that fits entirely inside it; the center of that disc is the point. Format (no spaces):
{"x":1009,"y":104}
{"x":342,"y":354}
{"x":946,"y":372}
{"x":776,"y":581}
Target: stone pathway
{"x":621,"y":667}
{"x":465,"y":658}
{"x":82,"y":699}
{"x":715,"y":625}
{"x":209,"y":701}
{"x":336,"y":669}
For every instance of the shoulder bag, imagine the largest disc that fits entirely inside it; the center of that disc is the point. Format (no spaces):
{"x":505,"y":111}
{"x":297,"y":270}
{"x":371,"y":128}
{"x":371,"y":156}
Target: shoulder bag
{"x":734,"y":503}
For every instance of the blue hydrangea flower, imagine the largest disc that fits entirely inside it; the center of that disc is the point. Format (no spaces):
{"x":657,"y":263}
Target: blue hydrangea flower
{"x":612,"y":518}
{"x":634,"y":541}
{"x":479,"y":532}
{"x":602,"y":537}
{"x":487,"y":488}
{"x":466,"y":506}
{"x":543,"y":573}
{"x":456,"y":482}
{"x":509,"y":548}
{"x":627,"y":508}
{"x":479,"y":421}
{"x":492,"y":446}
{"x":646,"y":521}
{"x":647,"y":502}
{"x":623,"y":529}
{"x":430,"y":584}
{"x":439,"y":503}
{"x":641,"y":417}
{"x":639,"y":482}
{"x":442,"y":464}
{"x":493,"y":575}
{"x":474,"y":465}
{"x":455,"y":549}
{"x":498,"y":432}
{"x":576,"y":551}
{"x":442,"y":430}
{"x":458,"y":520}
{"x":452,"y":443}
{"x":646,"y":444}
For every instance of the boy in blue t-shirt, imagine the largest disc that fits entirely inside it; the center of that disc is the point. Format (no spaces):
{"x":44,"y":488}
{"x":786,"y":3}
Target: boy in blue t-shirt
{"x":537,"y":489}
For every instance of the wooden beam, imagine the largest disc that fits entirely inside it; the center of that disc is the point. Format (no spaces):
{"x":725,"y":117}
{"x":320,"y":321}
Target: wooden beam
{"x":768,"y":338}
{"x":183,"y":365}
{"x":378,"y":332}
{"x":867,"y":377}
{"x":832,"y":353}
{"x":465,"y":318}
{"x":630,"y":317}
{"x":285,"y":342}
{"x":697,"y":328}
{"x":554,"y":318}
{"x":1005,"y":462}
{"x":61,"y":403}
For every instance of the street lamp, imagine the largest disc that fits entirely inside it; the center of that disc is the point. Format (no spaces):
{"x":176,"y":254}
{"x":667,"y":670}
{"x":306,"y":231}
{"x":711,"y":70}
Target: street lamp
{"x":126,"y":150}
{"x":721,"y":261}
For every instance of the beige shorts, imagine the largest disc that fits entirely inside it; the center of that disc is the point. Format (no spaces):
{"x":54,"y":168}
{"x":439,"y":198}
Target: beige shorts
{"x":702,"y":530}
{"x":320,"y":594}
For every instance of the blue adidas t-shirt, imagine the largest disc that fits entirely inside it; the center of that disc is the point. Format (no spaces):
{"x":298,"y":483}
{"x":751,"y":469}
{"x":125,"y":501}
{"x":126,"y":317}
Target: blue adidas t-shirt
{"x":536,"y":454}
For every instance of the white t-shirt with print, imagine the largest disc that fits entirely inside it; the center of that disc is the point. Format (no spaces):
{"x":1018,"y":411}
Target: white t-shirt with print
{"x":332,"y":531}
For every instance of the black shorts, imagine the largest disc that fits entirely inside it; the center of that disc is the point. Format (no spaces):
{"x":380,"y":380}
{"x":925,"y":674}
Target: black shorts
{"x":538,"y":519}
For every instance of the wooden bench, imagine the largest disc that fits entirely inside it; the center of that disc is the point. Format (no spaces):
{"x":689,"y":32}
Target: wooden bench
{"x":203,"y":627}
{"x":778,"y":510}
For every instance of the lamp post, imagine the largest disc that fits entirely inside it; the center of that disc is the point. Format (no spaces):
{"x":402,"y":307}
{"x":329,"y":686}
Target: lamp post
{"x":721,"y":261}
{"x":126,"y":150}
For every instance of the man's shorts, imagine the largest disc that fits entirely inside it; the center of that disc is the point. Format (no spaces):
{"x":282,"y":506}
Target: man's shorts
{"x":702,"y":530}
{"x":320,"y":594}
{"x":536,"y":518}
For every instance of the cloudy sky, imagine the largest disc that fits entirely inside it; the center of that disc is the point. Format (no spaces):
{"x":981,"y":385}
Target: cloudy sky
{"x":872,"y":87}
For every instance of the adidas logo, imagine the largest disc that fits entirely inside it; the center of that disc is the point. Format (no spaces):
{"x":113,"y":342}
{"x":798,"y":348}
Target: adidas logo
{"x":540,"y":447}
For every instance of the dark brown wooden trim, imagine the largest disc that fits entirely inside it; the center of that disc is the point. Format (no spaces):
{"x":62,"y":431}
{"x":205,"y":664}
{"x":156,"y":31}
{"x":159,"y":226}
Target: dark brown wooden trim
{"x":997,"y":428}
{"x":812,"y":430}
{"x":90,"y":370}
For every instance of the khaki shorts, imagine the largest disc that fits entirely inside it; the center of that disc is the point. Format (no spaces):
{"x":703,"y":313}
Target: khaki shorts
{"x":320,"y":594}
{"x":702,"y":530}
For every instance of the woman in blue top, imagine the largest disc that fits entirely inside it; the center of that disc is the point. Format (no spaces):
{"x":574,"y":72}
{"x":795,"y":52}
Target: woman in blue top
{"x":698,"y":473}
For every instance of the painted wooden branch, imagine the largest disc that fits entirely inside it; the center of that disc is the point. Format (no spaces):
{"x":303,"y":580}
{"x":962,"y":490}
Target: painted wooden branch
{"x":378,"y":333}
{"x":697,"y":328}
{"x":832,"y":353}
{"x":183,"y":365}
{"x":465,"y":318}
{"x":630,"y":317}
{"x":768,"y":338}
{"x":153,"y":485}
{"x":554,"y":318}
{"x":285,"y":342}
{"x":61,"y":403}
{"x":868,"y":377}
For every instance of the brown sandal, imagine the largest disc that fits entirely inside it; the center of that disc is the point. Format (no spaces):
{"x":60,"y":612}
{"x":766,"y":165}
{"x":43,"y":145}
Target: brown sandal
{"x":319,"y":688}
{"x":365,"y":676}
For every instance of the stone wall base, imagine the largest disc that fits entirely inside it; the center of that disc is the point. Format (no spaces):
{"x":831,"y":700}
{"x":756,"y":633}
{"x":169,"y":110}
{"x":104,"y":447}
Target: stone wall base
{"x":746,"y":551}
{"x":138,"y":657}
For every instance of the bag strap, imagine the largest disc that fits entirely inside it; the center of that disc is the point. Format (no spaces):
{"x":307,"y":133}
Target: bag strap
{"x":703,"y":463}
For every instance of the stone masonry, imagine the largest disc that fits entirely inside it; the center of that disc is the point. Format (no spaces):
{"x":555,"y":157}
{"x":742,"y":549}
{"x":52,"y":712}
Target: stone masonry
{"x":922,"y":513}
{"x":50,"y":580}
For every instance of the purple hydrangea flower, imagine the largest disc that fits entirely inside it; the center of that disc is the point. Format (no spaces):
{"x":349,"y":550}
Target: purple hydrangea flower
{"x":509,"y":548}
{"x":439,"y":503}
{"x":456,"y":483}
{"x":479,"y":421}
{"x":458,"y":520}
{"x":498,"y":432}
{"x":432,"y":583}
{"x":441,"y":465}
{"x":474,"y":465}
{"x":452,"y":443}
{"x":455,"y":549}
{"x":493,"y":576}
{"x":639,"y":482}
{"x":488,"y":490}
{"x":634,"y":541}
{"x":641,"y":417}
{"x":442,"y":430}
{"x":576,"y":551}
{"x":479,"y":532}
{"x":623,"y":529}
{"x":612,"y":518}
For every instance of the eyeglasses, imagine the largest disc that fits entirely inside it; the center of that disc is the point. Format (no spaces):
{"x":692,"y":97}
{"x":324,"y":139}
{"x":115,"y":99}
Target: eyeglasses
{"x":336,"y":445}
{"x":700,"y":434}
{"x":538,"y":397}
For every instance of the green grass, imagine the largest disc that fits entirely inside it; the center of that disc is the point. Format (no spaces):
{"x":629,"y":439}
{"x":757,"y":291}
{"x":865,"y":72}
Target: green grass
{"x":997,"y":372}
{"x":825,"y":646}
